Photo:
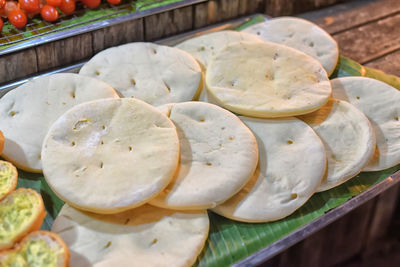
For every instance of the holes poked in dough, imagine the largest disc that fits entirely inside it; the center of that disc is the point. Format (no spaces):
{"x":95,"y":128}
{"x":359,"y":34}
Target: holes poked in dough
{"x":155,"y":240}
{"x":287,"y":199}
{"x":202,"y":120}
{"x":167,"y":86}
{"x":73,"y":95}
{"x":133,"y":81}
{"x":234,"y":82}
{"x":97,"y":72}
{"x":231,"y":138}
{"x":101,"y":165}
{"x":103,"y":127}
{"x":80,"y":124}
{"x":39,"y":156}
{"x":311,"y":44}
{"x":290,"y":141}
{"x":154,"y":51}
{"x":208,"y":163}
{"x":73,"y":143}
{"x":202,"y":48}
{"x":396,"y":118}
{"x":358,"y":98}
{"x":130,"y":148}
{"x":13,"y":113}
{"x":101,"y":142}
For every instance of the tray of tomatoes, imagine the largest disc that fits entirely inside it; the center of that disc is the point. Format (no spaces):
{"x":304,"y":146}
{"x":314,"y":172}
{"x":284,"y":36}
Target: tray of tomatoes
{"x":18,"y":12}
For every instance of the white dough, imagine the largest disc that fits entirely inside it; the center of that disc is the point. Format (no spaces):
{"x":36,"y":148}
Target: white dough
{"x":267,"y":80}
{"x":27,"y":112}
{"x":291,"y":166}
{"x":380,"y":103}
{"x":348,"y":137}
{"x":302,"y":35}
{"x":145,"y":236}
{"x":110,"y":155}
{"x":153,"y":73}
{"x":206,"y":46}
{"x":218,"y":156}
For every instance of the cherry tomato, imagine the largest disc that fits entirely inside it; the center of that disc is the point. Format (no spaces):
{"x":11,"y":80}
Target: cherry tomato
{"x":49,"y":13}
{"x":2,"y":3}
{"x":91,"y":3}
{"x":8,"y":7}
{"x":67,"y":6}
{"x":30,"y":6}
{"x":114,"y":2}
{"x":18,"y":18}
{"x":1,"y":27}
{"x":54,"y":2}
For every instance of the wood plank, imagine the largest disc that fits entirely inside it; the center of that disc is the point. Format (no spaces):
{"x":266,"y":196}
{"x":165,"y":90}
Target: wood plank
{"x":168,"y":23}
{"x":279,"y":7}
{"x":18,"y":65}
{"x":291,"y":7}
{"x":370,"y":41}
{"x":389,"y":63}
{"x":64,"y":52}
{"x":200,"y":15}
{"x":348,"y":15}
{"x":331,"y":245}
{"x":130,"y":31}
{"x":248,"y":7}
{"x":383,"y":214}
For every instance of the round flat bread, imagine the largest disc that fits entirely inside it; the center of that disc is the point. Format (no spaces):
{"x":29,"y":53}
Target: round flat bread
{"x":27,"y":112}
{"x":218,"y":157}
{"x":302,"y":35}
{"x":291,"y":166}
{"x":348,"y":138}
{"x":206,"y":46}
{"x":146,"y":236}
{"x":110,"y":155}
{"x":153,"y":73}
{"x":267,"y":80}
{"x":380,"y":103}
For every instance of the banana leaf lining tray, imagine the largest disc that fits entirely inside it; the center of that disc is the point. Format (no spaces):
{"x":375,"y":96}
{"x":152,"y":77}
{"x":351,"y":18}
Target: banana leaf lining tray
{"x":246,"y":244}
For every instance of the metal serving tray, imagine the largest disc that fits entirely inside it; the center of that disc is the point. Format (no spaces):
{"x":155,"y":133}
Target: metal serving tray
{"x":39,"y":32}
{"x":297,"y":235}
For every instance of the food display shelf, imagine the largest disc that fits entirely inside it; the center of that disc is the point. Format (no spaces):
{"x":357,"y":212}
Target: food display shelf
{"x":83,"y":20}
{"x":322,"y":209}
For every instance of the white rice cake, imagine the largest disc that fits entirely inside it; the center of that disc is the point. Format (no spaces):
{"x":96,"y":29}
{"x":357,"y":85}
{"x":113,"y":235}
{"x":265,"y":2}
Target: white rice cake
{"x":267,"y":80}
{"x":348,"y":137}
{"x":291,"y":166}
{"x":27,"y":112}
{"x":302,"y":35}
{"x":145,"y":236}
{"x":218,"y":156}
{"x":110,"y":155}
{"x":380,"y":103}
{"x":206,"y":46}
{"x":153,"y":73}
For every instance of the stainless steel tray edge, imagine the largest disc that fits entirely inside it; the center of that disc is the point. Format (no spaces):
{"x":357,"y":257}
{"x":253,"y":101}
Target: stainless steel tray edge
{"x":95,"y":26}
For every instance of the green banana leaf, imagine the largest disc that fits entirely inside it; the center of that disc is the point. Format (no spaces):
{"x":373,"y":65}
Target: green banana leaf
{"x":231,"y":241}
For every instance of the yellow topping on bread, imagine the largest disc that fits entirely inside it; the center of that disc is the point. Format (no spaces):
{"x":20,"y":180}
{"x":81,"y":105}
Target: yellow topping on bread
{"x":21,"y":212}
{"x":41,"y":248}
{"x":8,"y":178}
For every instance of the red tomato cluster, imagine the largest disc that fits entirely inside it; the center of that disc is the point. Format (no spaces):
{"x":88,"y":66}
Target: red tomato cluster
{"x":18,"y":11}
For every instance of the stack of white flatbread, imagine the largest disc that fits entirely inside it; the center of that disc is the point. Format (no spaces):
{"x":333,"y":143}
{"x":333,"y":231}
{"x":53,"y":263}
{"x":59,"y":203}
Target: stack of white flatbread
{"x":138,"y":162}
